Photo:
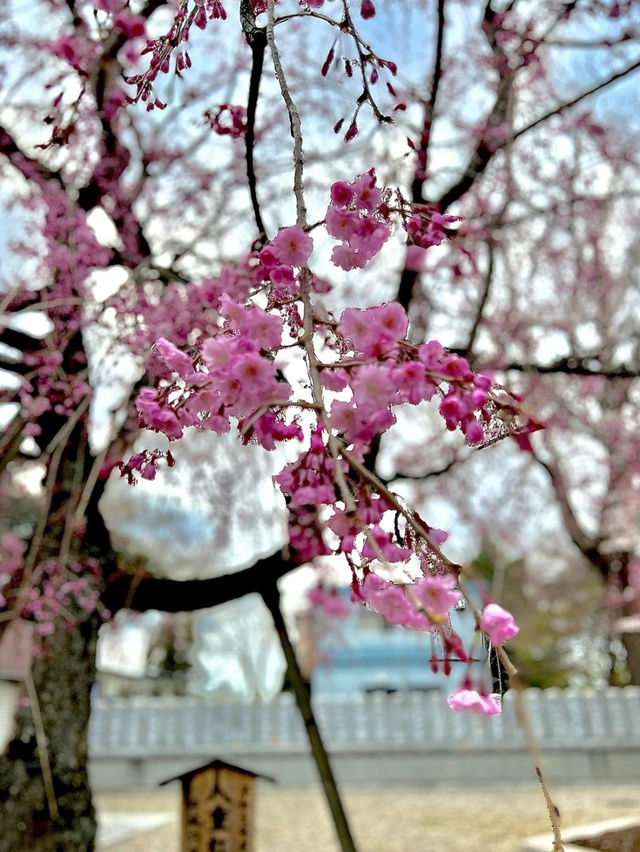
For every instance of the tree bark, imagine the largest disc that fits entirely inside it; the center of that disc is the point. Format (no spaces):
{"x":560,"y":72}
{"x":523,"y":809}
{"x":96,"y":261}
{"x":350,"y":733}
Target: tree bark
{"x":62,"y":678}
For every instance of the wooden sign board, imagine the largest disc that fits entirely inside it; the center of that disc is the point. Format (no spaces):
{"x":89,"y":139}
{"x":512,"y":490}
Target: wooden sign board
{"x":217,"y":808}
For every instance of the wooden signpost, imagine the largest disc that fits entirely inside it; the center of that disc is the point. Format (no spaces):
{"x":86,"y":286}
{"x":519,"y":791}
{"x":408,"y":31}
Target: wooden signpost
{"x":217,"y":808}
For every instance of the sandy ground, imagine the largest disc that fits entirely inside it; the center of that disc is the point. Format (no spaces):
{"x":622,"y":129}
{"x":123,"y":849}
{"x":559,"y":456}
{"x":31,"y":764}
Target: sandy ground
{"x":388,"y":821}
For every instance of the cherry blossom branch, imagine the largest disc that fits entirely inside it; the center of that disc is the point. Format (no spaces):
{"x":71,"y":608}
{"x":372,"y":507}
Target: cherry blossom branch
{"x":276,"y":403}
{"x":408,"y":276}
{"x":295,"y":125}
{"x":366,"y":91}
{"x":366,"y":59}
{"x":305,"y":284}
{"x":372,"y":478}
{"x":524,"y":719}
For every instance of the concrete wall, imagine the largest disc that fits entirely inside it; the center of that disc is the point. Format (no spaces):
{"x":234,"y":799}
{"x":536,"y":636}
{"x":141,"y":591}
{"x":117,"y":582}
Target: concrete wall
{"x":375,"y":741}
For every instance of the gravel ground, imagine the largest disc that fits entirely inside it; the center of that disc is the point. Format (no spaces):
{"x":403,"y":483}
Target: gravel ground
{"x":390,"y":821}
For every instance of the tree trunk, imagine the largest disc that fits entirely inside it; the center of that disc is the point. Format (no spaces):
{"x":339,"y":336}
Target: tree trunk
{"x":55,"y":815}
{"x":45,"y":796}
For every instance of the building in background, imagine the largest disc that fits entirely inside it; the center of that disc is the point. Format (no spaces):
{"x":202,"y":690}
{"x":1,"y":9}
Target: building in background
{"x":358,"y":651}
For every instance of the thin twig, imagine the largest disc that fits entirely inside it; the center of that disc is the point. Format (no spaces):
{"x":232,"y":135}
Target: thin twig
{"x":43,"y":753}
{"x":90,"y":484}
{"x":294,"y":120}
{"x":568,"y":104}
{"x":417,"y":527}
{"x":534,"y":749}
{"x":76,"y":488}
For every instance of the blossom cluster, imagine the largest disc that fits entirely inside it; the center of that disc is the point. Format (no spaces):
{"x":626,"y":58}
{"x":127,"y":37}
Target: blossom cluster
{"x":160,"y":49}
{"x":228,"y":120}
{"x":394,"y":372}
{"x":57,"y":381}
{"x":54,"y":591}
{"x":234,"y":375}
{"x":229,"y":377}
{"x":367,"y":9}
{"x":359,"y":218}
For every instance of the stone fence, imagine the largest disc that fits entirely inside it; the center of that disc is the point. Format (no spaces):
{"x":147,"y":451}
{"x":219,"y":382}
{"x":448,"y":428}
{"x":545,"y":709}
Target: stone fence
{"x":400,"y":739}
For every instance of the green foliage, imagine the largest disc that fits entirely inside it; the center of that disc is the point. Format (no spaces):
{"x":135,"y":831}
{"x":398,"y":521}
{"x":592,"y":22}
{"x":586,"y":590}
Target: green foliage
{"x":559,"y":615}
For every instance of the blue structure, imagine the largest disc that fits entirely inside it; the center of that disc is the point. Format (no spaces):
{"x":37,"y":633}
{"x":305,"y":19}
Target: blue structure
{"x":361,"y":652}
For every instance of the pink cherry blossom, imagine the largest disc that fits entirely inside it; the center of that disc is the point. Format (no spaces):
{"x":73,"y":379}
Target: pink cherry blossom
{"x":341,"y":193}
{"x":437,"y":593}
{"x":292,"y":246}
{"x":374,"y":330}
{"x":498,"y":624}
{"x":473,"y":701}
{"x":380,"y":546}
{"x":391,"y":602}
{"x":328,"y":600}
{"x":346,"y":257}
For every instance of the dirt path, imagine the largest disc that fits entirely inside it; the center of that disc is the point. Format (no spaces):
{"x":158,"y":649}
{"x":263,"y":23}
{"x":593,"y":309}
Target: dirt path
{"x":391,"y":821}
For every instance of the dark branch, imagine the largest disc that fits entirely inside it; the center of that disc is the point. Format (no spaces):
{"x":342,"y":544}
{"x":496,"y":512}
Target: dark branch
{"x":257,"y":40}
{"x":568,"y":104}
{"x":409,"y":276}
{"x":431,"y":474}
{"x":576,"y":367}
{"x":590,"y":547}
{"x":487,"y":144}
{"x":142,"y":593}
{"x":21,"y":340}
{"x":28,"y":167}
{"x":484,"y":296}
{"x":14,"y":367}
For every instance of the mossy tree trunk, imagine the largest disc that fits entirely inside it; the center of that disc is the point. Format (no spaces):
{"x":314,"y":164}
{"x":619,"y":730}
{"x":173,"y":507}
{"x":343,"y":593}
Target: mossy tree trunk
{"x":62,"y":678}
